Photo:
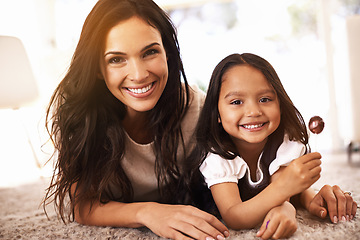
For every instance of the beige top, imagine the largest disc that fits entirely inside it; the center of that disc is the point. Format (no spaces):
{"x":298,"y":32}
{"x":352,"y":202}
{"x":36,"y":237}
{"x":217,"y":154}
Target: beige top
{"x":139,"y":159}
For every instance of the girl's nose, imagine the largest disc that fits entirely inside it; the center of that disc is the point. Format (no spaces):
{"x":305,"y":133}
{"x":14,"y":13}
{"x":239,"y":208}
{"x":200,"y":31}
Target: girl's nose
{"x":253,"y":110}
{"x":137,"y":70}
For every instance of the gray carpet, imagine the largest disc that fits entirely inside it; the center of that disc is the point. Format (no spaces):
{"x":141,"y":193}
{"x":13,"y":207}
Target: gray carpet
{"x":22,"y":218}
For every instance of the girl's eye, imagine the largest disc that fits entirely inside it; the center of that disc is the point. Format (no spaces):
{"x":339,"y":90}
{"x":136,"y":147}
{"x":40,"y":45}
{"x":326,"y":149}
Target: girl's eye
{"x":116,"y":60}
{"x":264,"y":100}
{"x":150,"y":52}
{"x":236,"y":102}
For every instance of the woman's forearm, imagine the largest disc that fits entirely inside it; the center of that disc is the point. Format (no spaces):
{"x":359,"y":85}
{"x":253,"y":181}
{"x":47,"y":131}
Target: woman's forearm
{"x":115,"y":214}
{"x":306,"y":197}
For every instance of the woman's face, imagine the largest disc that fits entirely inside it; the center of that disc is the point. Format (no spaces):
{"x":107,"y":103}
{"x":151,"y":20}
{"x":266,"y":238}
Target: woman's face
{"x":248,"y":106}
{"x":134,"y":64}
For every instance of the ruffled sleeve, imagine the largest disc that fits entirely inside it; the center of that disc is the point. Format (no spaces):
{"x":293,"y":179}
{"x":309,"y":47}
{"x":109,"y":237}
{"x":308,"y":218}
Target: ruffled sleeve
{"x":216,"y":169}
{"x":288,"y":151}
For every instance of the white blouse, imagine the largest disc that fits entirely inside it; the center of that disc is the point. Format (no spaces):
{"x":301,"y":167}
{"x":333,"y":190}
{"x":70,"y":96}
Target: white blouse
{"x":216,"y":169}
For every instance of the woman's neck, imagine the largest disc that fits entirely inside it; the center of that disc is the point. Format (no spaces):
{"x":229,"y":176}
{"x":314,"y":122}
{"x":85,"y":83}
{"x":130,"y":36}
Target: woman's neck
{"x":137,"y":127}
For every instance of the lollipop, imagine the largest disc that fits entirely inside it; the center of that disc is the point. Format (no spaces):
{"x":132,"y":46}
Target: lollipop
{"x":316,"y":124}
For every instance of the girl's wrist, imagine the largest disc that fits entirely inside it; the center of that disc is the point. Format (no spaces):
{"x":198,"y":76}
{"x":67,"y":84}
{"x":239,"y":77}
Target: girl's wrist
{"x":281,"y":189}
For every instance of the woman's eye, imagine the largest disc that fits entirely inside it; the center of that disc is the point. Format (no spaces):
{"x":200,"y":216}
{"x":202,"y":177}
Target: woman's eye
{"x":116,"y":60}
{"x":236,"y":102}
{"x":150,"y":52}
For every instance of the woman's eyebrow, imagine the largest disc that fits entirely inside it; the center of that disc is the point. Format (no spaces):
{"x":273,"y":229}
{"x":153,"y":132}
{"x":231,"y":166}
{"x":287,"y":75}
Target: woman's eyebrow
{"x":114,"y":52}
{"x":122,"y":53}
{"x":150,"y":46}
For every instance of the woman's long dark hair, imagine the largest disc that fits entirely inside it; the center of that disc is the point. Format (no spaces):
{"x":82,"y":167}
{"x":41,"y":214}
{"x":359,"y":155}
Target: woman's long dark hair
{"x":84,"y":119}
{"x":211,"y":136}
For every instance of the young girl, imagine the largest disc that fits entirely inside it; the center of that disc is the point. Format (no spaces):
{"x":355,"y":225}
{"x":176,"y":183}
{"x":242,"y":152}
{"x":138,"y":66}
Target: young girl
{"x":121,"y":121}
{"x":253,"y":147}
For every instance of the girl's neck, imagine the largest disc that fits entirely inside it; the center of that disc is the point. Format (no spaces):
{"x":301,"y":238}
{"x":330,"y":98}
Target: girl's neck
{"x":251,"y":152}
{"x":136,"y":126}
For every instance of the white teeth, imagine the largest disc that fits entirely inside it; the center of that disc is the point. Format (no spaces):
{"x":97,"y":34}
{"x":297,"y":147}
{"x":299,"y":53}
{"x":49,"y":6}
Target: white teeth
{"x":140,"y":90}
{"x":252,"y":126}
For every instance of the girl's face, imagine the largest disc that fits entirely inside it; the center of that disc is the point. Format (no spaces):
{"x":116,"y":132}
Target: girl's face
{"x":248,"y":106}
{"x":134,"y":64}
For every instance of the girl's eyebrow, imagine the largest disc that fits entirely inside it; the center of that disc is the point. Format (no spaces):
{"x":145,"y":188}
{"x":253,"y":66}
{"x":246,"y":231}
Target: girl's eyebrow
{"x":233,"y":93}
{"x":239,"y":93}
{"x":122,"y":53}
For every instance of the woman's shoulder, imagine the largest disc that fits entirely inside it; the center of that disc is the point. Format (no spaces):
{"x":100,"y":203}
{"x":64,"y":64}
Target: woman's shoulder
{"x":197,"y":96}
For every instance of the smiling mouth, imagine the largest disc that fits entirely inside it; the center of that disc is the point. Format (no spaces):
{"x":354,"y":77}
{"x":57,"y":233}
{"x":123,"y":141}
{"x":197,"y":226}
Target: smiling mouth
{"x":253,"y":126}
{"x":141,"y":90}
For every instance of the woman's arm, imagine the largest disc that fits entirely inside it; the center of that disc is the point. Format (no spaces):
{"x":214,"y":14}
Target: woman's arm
{"x":329,"y":200}
{"x":169,"y":221}
{"x":295,"y":178}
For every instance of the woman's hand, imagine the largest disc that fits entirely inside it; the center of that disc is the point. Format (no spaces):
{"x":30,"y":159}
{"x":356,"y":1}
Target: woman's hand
{"x":280,"y":222}
{"x":182,"y":222}
{"x":333,"y":201}
{"x":300,"y":174}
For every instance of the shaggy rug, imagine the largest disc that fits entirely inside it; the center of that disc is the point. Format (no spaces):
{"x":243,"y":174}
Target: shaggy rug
{"x":22,"y":218}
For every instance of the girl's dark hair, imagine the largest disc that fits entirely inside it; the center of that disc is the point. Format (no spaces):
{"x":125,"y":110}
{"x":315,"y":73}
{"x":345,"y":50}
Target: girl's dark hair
{"x":210,"y":135}
{"x":84,"y":119}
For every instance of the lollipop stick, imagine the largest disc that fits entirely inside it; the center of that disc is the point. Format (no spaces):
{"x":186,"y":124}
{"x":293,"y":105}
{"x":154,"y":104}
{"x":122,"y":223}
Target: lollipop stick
{"x":315,"y":143}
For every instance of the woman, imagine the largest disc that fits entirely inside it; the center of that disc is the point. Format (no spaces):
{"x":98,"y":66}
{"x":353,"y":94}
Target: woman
{"x":121,"y":122}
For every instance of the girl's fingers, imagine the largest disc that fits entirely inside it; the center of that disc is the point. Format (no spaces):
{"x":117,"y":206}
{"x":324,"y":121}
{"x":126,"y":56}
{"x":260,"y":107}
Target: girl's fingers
{"x":270,"y":228}
{"x":314,"y":163}
{"x":279,"y":232}
{"x":263,"y":227}
{"x":309,"y":157}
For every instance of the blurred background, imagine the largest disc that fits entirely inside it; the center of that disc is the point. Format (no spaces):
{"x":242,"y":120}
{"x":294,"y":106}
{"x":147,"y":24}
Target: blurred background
{"x":306,"y":41}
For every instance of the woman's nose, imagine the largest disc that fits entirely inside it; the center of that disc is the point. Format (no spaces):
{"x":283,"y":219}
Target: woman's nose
{"x":137,"y":70}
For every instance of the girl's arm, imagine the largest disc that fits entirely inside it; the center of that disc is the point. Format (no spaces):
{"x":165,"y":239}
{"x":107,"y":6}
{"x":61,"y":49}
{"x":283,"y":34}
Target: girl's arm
{"x":248,"y":214}
{"x":279,"y":223}
{"x":169,"y":221}
{"x":295,"y":178}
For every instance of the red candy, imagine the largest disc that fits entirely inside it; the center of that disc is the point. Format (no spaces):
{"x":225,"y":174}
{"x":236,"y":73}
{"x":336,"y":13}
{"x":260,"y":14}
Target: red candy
{"x":316,"y":124}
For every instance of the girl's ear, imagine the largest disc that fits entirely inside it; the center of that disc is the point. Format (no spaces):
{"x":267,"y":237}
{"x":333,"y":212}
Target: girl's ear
{"x":219,"y":119}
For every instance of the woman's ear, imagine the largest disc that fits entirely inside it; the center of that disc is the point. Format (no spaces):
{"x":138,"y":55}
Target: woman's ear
{"x":100,"y":76}
{"x":219,"y":119}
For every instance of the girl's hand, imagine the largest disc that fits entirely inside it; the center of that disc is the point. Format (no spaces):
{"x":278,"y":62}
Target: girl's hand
{"x":280,"y":222}
{"x":339,"y":204}
{"x":300,"y":174}
{"x":182,"y":222}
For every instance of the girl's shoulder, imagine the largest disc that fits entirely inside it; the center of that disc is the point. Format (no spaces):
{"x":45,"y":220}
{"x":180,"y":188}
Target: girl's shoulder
{"x":217,"y":169}
{"x":286,"y":153}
